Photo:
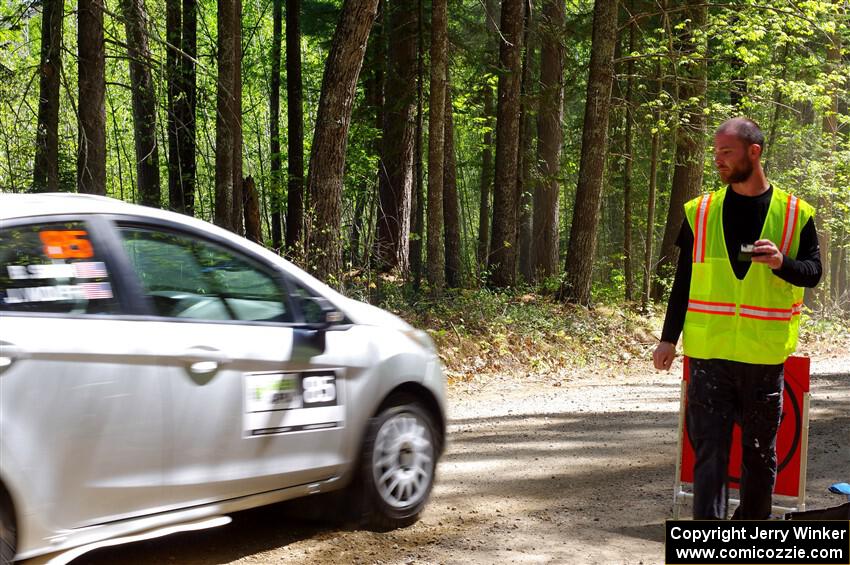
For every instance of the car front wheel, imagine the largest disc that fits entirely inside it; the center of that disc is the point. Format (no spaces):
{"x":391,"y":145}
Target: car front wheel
{"x":399,"y":464}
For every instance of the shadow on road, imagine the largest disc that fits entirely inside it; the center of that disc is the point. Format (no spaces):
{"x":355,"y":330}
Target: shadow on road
{"x":601,"y":476}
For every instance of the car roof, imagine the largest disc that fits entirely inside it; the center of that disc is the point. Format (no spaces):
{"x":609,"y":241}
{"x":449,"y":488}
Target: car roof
{"x":14,"y":206}
{"x":27,"y":205}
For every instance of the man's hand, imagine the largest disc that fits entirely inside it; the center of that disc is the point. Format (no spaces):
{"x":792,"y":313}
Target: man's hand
{"x":663,"y":355}
{"x":765,"y":251}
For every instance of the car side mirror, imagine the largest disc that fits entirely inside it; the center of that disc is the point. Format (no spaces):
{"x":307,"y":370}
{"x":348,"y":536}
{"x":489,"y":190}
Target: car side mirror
{"x":320,"y":313}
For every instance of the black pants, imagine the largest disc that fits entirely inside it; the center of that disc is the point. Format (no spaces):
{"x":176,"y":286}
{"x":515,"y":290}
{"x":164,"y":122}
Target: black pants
{"x":721,"y":393}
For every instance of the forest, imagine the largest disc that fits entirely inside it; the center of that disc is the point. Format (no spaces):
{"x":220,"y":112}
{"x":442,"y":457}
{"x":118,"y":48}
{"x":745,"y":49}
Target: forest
{"x":524,"y":144}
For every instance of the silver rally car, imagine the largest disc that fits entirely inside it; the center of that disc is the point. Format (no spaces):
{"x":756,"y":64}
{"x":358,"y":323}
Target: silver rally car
{"x":158,"y":371}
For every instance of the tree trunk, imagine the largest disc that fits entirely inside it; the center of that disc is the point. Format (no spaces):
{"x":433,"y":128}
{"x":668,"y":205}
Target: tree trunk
{"x":371,"y":111}
{"x":144,"y":102}
{"x":491,"y":16}
{"x":583,"y":233}
{"x":173,"y":34}
{"x":357,"y":225}
{"x":777,"y":108}
{"x":629,"y":167}
{"x":836,"y":260}
{"x":253,"y":231}
{"x":185,"y":108}
{"x":524,"y":154}
{"x":418,"y":197}
{"x":395,"y":187}
{"x":238,"y":189}
{"x":842,"y":278}
{"x":502,"y":258}
{"x":690,"y":147}
{"x":226,"y":123}
{"x":826,"y":289}
{"x":738,"y":89}
{"x":486,"y":181}
{"x":451,"y":206}
{"x":46,"y":169}
{"x":650,"y":204}
{"x":294,"y":128}
{"x":181,"y":35}
{"x":274,"y":122}
{"x":327,"y":158}
{"x":549,"y":141}
{"x":436,"y":140}
{"x":91,"y":157}
{"x":844,"y":263}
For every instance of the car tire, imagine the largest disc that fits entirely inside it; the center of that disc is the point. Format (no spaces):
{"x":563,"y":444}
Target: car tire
{"x":8,"y":536}
{"x":398,"y":464}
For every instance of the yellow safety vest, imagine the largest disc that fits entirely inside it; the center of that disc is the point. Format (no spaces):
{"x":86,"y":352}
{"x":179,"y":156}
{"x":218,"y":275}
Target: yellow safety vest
{"x":754,"y":320}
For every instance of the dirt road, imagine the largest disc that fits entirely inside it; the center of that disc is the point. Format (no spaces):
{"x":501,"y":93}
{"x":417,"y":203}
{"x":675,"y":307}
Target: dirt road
{"x":539,"y":471}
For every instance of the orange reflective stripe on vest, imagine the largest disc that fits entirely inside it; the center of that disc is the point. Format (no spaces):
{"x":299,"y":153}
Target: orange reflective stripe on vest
{"x":761,"y":313}
{"x":700,"y":228}
{"x":720,"y":308}
{"x":790,"y":224}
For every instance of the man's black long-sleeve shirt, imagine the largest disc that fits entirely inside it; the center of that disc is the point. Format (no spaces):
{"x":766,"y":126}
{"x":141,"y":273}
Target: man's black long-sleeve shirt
{"x":743,"y":220}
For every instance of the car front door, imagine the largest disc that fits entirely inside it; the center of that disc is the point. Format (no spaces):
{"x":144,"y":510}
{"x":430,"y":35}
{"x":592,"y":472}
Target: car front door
{"x":253,"y":407}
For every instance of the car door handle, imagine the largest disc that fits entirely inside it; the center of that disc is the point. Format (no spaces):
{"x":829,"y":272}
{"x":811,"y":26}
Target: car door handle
{"x":9,"y":353}
{"x":202,"y":360}
{"x":203,"y":367}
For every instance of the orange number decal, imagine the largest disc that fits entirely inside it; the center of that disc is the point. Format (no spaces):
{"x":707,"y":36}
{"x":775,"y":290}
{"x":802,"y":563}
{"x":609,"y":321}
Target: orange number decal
{"x":66,"y":244}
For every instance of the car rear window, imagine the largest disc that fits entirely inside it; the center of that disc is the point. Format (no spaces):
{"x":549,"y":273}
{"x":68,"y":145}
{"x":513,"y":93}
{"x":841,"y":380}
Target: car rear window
{"x":53,"y":268}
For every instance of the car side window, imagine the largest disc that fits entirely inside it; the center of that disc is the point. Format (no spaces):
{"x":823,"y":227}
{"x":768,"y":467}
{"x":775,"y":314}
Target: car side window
{"x":311,"y":310}
{"x":53,"y":268}
{"x":188,"y":277}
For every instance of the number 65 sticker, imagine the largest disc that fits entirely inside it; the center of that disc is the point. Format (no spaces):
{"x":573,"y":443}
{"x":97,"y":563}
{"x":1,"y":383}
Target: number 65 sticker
{"x":319,"y":389}
{"x":66,"y":244}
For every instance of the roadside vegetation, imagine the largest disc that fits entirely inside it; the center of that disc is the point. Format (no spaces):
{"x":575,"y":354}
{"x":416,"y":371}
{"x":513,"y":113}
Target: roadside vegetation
{"x":528,"y":332}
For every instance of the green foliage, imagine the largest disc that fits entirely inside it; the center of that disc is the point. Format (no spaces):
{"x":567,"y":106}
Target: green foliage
{"x":479,"y":331}
{"x":775,"y":54}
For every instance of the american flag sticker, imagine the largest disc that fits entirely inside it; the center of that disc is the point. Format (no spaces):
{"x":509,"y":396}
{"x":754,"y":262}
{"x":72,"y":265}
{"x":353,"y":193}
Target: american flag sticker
{"x":89,"y":270}
{"x":94,"y":291}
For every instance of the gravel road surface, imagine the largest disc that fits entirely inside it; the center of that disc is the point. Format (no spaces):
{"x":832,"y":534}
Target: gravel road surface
{"x":537,"y":470}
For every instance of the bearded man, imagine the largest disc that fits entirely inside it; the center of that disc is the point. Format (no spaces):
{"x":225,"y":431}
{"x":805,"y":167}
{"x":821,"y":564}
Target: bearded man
{"x":747,"y":252}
